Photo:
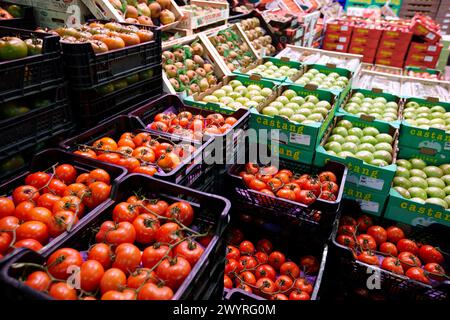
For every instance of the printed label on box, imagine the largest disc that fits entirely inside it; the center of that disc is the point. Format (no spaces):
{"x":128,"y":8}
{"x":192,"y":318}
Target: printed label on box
{"x":339,"y":47}
{"x":342,"y":39}
{"x":428,"y":58}
{"x":368,"y":205}
{"x":371,"y":182}
{"x":300,"y":139}
{"x":344,"y":28}
{"x":447,"y":146}
{"x":352,"y":178}
{"x":430,"y":36}
{"x":432,"y":48}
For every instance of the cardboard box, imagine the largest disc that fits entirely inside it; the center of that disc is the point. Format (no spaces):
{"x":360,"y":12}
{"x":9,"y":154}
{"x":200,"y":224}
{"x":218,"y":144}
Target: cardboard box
{"x":400,"y":36}
{"x":335,"y":46}
{"x":426,"y":48}
{"x":55,"y":19}
{"x":364,"y":42}
{"x":60,"y":5}
{"x":390,"y":62}
{"x":388,"y":44}
{"x":367,"y":33}
{"x":339,"y":28}
{"x":421,"y":60}
{"x":423,"y":29}
{"x":336,"y":38}
{"x":391,"y":54}
{"x":371,"y":202}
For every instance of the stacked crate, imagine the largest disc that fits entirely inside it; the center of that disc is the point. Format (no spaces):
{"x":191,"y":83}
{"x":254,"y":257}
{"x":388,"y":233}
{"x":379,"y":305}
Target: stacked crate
{"x":337,"y":37}
{"x":393,"y":48}
{"x":365,"y":41}
{"x":427,"y":7}
{"x":58,"y":13}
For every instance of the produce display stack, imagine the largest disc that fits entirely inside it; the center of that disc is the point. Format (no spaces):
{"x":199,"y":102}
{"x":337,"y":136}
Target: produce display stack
{"x":16,"y":15}
{"x":411,"y":7}
{"x":365,"y":39}
{"x":443,"y":16}
{"x":393,"y":46}
{"x":53,"y":14}
{"x":337,"y":37}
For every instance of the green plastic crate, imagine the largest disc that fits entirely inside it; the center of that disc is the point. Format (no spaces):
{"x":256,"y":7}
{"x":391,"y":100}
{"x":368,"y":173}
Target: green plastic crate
{"x":374,"y":93}
{"x":371,"y":202}
{"x":295,"y":135}
{"x":196,"y":100}
{"x":411,"y":212}
{"x":362,"y":174}
{"x":432,"y":138}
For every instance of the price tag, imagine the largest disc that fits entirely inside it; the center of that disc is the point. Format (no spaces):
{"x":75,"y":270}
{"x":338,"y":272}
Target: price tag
{"x":447,"y":146}
{"x":352,"y":178}
{"x":344,"y":28}
{"x":369,"y":206}
{"x":343,"y":39}
{"x":432,"y":48}
{"x":371,"y":182}
{"x":428,"y":58}
{"x":300,"y":139}
{"x":339,"y":47}
{"x":430,"y":36}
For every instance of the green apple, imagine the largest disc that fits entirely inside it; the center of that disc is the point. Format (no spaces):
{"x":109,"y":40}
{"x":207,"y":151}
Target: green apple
{"x":345,"y":124}
{"x":334,"y":146}
{"x":316,"y":117}
{"x":308,"y":105}
{"x":417,"y":192}
{"x":419,"y":182}
{"x":299,"y":100}
{"x":403,"y":192}
{"x":356,"y":132}
{"x":350,"y":147}
{"x":412,"y":104}
{"x":340,"y":131}
{"x":437,"y":201}
{"x":417,"y":173}
{"x":433,"y":171}
{"x":270,"y":111}
{"x":289,"y":94}
{"x":435,"y":182}
{"x":365,"y":156}
{"x":384,"y":137}
{"x":402,"y":182}
{"x":235,"y":83}
{"x":338,"y":138}
{"x":286,"y":112}
{"x":383,"y":155}
{"x":321,"y":110}
{"x":253,"y":87}
{"x":323,"y":104}
{"x":371,"y":131}
{"x":435,"y":192}
{"x":265,"y":92}
{"x":366,"y":147}
{"x":417,"y":163}
{"x":379,"y":163}
{"x":402,"y":172}
{"x":384,"y":146}
{"x":369,"y":139}
{"x":298,"y":118}
{"x":353,"y":139}
{"x":284,"y":100}
{"x":304,"y":111}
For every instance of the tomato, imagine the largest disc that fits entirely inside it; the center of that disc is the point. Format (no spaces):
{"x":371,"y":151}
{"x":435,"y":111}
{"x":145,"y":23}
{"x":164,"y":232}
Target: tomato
{"x":38,"y":280}
{"x":245,"y":288}
{"x":273,"y":170}
{"x":151,"y":291}
{"x":247,"y":263}
{"x":408,"y":260}
{"x":299,"y":295}
{"x":102,"y":253}
{"x":347,"y":230}
{"x":70,"y":203}
{"x":33,"y":230}
{"x":91,"y":273}
{"x":66,"y":173}
{"x":127,"y":257}
{"x":99,"y":192}
{"x":389,"y":248}
{"x":231,"y":267}
{"x":115,"y":234}
{"x":366,"y":242}
{"x":257,"y":185}
{"x":182,"y":211}
{"x":435,"y":271}
{"x":23,"y":209}
{"x":232,"y":252}
{"x":430,"y":254}
{"x":235,"y":236}
{"x":62,"y":291}
{"x":307,"y":197}
{"x":418,"y":274}
{"x":274,"y":184}
{"x":37,"y":179}
{"x":47,"y":200}
{"x":99,"y":175}
{"x":173,"y":271}
{"x":146,"y":226}
{"x":105,"y":144}
{"x":25,"y":193}
{"x":126,"y":143}
{"x":265,"y":246}
{"x":148,"y":170}
{"x":9,"y":223}
{"x":326,"y":195}
{"x":393,"y":265}
{"x":347,"y":221}
{"x":40,"y":214}
{"x":407,"y":245}
{"x":345,"y":240}
{"x":5,"y":241}
{"x":60,"y":260}
{"x":61,"y":221}
{"x":190,"y":250}
{"x":125,"y":212}
{"x":246,"y":247}
{"x":265,"y":270}
{"x":7,"y":207}
{"x":261,"y":257}
{"x":227,"y":282}
{"x":284,"y":283}
{"x":368,"y":257}
{"x":252,"y":168}
{"x":86,"y":153}
{"x":276,"y":259}
{"x":55,"y":186}
{"x":109,"y":157}
{"x":312,"y":185}
{"x":288,"y":194}
{"x":113,"y":279}
{"x":169,"y":232}
{"x":29,"y":243}
{"x":309,"y":264}
{"x":330,"y":187}
{"x":291,"y":269}
{"x":266,"y":285}
{"x":378,"y":233}
{"x":303,"y":285}
{"x":157,"y":207}
{"x":246,"y":277}
{"x":76,"y":189}
{"x":141,"y":276}
{"x":327,"y":176}
{"x":153,"y":254}
{"x":395,"y":234}
{"x":364,"y":222}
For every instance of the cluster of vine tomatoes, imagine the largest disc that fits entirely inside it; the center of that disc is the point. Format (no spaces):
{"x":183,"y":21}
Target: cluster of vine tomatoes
{"x":263,"y":271}
{"x":115,"y":267}
{"x":192,"y":126}
{"x":138,"y":153}
{"x":48,"y":204}
{"x":288,"y":185}
{"x":390,"y":249}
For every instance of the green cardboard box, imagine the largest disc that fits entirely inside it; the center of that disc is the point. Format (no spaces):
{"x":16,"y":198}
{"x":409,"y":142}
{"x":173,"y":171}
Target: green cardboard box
{"x":414,"y":137}
{"x":362,"y":174}
{"x":404,"y":210}
{"x":371,"y":202}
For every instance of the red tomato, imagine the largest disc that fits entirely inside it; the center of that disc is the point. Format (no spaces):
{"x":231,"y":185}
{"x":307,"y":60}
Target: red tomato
{"x":395,"y":234}
{"x":140,"y":277}
{"x":55,"y":186}
{"x":59,"y":262}
{"x":303,"y":285}
{"x":33,"y":230}
{"x":265,"y":246}
{"x":257,"y":185}
{"x":153,"y":254}
{"x":389,"y":248}
{"x":418,"y":274}
{"x":115,"y":234}
{"x":266,"y":286}
{"x":261,"y":257}
{"x":265,"y":270}
{"x":113,"y":279}
{"x":327,"y":176}
{"x":182,"y":211}
{"x":9,"y":223}
{"x":252,"y":168}
{"x":227,"y":282}
{"x":102,"y":253}
{"x":278,"y":296}
{"x":430,"y":254}
{"x":66,"y":173}
{"x":62,"y":291}
{"x":125,"y":211}
{"x":393,"y":265}
{"x":91,"y":273}
{"x":306,"y":197}
{"x":246,"y":277}
{"x":99,"y":192}
{"x":47,"y":200}
{"x":368,"y":257}
{"x":61,"y":221}
{"x":247,"y":263}
{"x":246,"y":247}
{"x":326,"y":195}
{"x":291,"y":269}
{"x":347,"y":230}
{"x":127,"y":257}
{"x":38,"y":280}
{"x":378,"y":233}
{"x":276,"y":259}
{"x":309,"y":264}
{"x":169,"y":232}
{"x":151,"y":291}
{"x":7,"y":207}
{"x":37,"y":179}
{"x":312,"y":185}
{"x":435,"y":271}
{"x":347,"y":241}
{"x":364,"y":222}
{"x":284,"y":283}
{"x":5,"y":241}
{"x":299,"y":295}
{"x":25,"y":193}
{"x":407,"y":245}
{"x":408,"y":260}
{"x":173,"y":271}
{"x":190,"y":250}
{"x":367,"y":242}
{"x":232,"y":252}
{"x":146,"y":226}
{"x":29,"y":243}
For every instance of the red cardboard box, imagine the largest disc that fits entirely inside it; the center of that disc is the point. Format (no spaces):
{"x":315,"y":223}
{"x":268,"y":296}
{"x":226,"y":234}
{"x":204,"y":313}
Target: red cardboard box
{"x":332,"y":46}
{"x":363,"y":32}
{"x":421,"y":60}
{"x":390,"y":53}
{"x":426,"y":48}
{"x":400,"y":36}
{"x":336,"y":38}
{"x":363,"y":41}
{"x":390,"y":62}
{"x":425,"y":28}
{"x":389,"y":44}
{"x":339,"y":28}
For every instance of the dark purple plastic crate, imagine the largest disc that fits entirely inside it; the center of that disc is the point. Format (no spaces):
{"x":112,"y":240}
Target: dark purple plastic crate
{"x":85,"y":69}
{"x":31,"y":74}
{"x":45,"y":159}
{"x":210,"y":212}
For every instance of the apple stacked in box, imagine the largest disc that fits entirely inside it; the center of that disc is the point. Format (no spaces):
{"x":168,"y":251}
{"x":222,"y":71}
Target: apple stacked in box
{"x":145,"y":12}
{"x":378,"y":107}
{"x":305,"y":110}
{"x":236,"y":95}
{"x":331,"y":81}
{"x":418,"y":182}
{"x":198,"y":11}
{"x":188,"y":68}
{"x":426,"y":117}
{"x":270,"y":70}
{"x":367,"y":144}
{"x":258,"y":36}
{"x":10,"y":12}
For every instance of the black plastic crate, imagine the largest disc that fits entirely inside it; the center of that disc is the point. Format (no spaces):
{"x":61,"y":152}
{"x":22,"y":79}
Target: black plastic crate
{"x":85,"y":69}
{"x":281,"y":206}
{"x":91,"y":109}
{"x":354,"y":273}
{"x":188,"y":170}
{"x":31,"y":74}
{"x":46,"y":159}
{"x":38,"y":124}
{"x":289,"y":239}
{"x":27,"y":21}
{"x":172,"y":103}
{"x":211,"y":213}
